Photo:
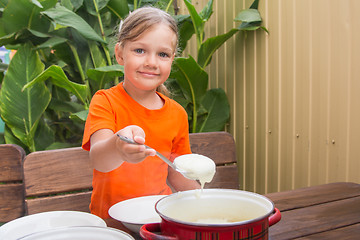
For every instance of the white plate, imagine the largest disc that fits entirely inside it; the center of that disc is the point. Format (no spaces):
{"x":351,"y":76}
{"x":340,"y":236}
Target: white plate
{"x":80,"y":233}
{"x":135,"y":212}
{"x":47,"y":220}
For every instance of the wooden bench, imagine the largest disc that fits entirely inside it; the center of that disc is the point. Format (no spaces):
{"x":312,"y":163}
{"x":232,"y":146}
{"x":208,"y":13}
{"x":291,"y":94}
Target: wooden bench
{"x":61,"y":179}
{"x":11,"y":182}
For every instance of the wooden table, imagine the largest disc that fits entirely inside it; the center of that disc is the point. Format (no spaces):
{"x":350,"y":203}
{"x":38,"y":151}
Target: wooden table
{"x":330,"y":211}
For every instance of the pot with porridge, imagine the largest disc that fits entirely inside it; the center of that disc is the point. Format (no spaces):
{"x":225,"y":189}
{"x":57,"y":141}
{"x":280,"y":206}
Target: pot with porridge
{"x":213,"y":214}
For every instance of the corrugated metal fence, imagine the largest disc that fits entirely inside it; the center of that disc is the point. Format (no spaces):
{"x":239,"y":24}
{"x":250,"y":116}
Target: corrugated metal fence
{"x":294,"y":93}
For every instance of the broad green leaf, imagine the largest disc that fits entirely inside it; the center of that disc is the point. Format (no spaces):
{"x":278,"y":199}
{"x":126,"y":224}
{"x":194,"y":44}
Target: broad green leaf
{"x":207,"y":11}
{"x":82,"y":115}
{"x":90,"y":7}
{"x":22,"y":14}
{"x":44,"y":136}
{"x":21,"y":110}
{"x":65,"y":106}
{"x":255,"y":4}
{"x":58,"y":77}
{"x":198,"y":23}
{"x":192,"y":79}
{"x":249,"y":26}
{"x":218,"y":111}
{"x":59,"y":145}
{"x":10,"y":138}
{"x":119,"y":7}
{"x":97,"y":56}
{"x":7,"y":39}
{"x":248,"y":15}
{"x":186,"y":30}
{"x":65,"y":17}
{"x":208,"y":48}
{"x":102,"y":75}
{"x":52,"y":42}
{"x":72,"y":5}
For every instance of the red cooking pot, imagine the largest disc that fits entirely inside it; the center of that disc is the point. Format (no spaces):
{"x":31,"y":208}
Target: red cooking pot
{"x":212,"y":214}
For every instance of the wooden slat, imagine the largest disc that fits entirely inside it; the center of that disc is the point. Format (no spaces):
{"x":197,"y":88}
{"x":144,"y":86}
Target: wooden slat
{"x":314,"y":195}
{"x":54,"y":171}
{"x":11,"y":159}
{"x":11,"y":188}
{"x":316,"y":219}
{"x":11,"y":201}
{"x":219,"y":146}
{"x":71,"y":202}
{"x":225,"y":177}
{"x":344,"y":233}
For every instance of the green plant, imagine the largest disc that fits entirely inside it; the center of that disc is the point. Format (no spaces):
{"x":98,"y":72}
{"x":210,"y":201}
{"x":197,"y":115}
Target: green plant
{"x":208,"y":109}
{"x":64,"y":55}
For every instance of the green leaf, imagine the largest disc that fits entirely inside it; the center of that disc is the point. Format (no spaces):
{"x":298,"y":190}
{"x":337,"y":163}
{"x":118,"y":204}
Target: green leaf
{"x":90,"y":7}
{"x":218,"y":111}
{"x":207,"y":11}
{"x":65,"y":106}
{"x":58,"y":77}
{"x":186,"y":30}
{"x":22,"y":14}
{"x":44,"y":136}
{"x":248,"y":15}
{"x":197,"y":21}
{"x":65,"y":17}
{"x":102,"y":75}
{"x":72,"y":5}
{"x":21,"y":110}
{"x":119,"y":7}
{"x":192,"y":79}
{"x":52,"y":42}
{"x":208,"y":48}
{"x":82,"y":115}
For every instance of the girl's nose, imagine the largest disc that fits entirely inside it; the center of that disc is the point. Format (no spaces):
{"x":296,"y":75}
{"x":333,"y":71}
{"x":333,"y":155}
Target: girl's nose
{"x":150,"y":60}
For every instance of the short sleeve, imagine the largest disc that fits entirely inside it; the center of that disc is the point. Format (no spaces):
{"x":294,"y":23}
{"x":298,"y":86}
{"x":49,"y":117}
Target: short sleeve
{"x":101,"y":116}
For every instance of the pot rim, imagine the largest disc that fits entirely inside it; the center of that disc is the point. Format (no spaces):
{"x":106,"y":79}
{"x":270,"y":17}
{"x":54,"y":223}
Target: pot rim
{"x":215,"y":225}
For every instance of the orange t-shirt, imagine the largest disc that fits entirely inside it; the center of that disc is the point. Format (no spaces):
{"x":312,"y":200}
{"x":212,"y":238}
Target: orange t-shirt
{"x":166,"y":130}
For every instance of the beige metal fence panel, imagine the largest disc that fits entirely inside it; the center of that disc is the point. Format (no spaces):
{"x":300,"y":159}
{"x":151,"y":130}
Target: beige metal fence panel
{"x":294,"y":93}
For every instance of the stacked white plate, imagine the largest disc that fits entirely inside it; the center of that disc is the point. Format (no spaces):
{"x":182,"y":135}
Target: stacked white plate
{"x":55,"y":222}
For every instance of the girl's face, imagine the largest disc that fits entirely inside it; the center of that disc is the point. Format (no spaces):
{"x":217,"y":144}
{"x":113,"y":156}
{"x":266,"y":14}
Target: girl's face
{"x":147,"y":60}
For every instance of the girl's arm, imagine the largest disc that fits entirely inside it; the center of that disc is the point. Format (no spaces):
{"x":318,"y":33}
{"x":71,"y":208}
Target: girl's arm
{"x":107,"y":151}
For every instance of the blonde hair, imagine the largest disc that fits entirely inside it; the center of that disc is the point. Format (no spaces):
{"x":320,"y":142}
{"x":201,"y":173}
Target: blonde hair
{"x":141,"y":20}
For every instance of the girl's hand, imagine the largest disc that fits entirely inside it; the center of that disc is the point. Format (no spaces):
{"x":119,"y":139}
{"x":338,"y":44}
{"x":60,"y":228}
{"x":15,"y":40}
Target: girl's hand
{"x":133,"y":153}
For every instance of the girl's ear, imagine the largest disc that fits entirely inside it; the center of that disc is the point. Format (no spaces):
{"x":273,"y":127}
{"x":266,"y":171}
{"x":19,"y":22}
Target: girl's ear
{"x":119,"y":54}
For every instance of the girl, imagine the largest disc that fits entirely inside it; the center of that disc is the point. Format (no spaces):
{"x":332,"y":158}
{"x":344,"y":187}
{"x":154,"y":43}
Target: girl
{"x":134,"y":108}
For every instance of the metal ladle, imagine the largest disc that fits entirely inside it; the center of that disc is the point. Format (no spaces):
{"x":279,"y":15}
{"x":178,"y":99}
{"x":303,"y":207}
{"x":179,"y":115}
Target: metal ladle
{"x":162,"y":157}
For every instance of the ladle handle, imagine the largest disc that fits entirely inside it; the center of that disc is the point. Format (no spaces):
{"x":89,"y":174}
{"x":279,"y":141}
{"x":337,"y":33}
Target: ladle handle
{"x":162,"y":157}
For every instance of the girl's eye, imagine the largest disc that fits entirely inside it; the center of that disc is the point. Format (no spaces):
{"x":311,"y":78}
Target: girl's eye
{"x":164,"y":55}
{"x":139,"y":50}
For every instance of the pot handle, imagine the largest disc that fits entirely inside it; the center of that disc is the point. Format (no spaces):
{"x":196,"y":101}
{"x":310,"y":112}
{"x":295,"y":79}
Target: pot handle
{"x":275,"y":217}
{"x":149,"y":231}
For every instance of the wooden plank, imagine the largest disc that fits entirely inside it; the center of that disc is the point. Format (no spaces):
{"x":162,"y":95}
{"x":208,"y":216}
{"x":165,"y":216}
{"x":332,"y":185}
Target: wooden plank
{"x":219,"y":146}
{"x":314,"y":195}
{"x":11,"y":201}
{"x":68,"y":202}
{"x":316,"y":219}
{"x":345,"y":233}
{"x":55,"y":171}
{"x":225,"y":177}
{"x":11,"y":160}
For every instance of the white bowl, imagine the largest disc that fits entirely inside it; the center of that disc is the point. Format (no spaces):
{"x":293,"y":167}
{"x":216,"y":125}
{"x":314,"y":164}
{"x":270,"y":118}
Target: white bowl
{"x":80,"y":233}
{"x":135,"y":212}
{"x":38,"y":222}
